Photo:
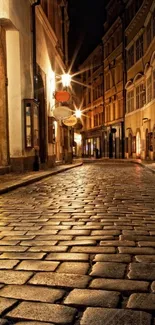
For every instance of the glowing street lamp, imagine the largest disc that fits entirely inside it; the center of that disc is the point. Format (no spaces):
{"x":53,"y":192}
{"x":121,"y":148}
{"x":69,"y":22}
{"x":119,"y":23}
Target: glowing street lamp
{"x":66,"y":79}
{"x":78,"y":113}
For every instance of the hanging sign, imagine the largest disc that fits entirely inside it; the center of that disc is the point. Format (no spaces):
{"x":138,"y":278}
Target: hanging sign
{"x":62,"y":112}
{"x":62,"y":96}
{"x":70,"y":121}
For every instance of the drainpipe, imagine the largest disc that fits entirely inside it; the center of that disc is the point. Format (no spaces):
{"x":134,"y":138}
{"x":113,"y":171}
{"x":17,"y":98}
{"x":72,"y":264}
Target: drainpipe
{"x":36,"y":3}
{"x":36,"y":157}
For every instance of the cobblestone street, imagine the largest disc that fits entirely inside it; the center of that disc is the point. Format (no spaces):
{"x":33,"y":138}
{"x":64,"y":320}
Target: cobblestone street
{"x":79,"y":248}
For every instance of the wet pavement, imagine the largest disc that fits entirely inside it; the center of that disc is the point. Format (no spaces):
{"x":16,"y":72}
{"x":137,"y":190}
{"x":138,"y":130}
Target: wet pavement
{"x":79,"y":248}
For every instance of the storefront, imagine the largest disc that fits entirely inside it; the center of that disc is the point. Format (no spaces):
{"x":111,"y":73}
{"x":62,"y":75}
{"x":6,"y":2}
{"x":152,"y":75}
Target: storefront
{"x":114,"y":141}
{"x":92,"y":143}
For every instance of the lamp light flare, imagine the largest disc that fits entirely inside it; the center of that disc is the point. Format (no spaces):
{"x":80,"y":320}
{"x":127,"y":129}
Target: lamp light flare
{"x":66,"y":79}
{"x":78,"y":113}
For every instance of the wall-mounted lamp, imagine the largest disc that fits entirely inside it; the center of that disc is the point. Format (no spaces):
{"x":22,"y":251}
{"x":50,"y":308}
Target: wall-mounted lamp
{"x":128,"y":128}
{"x":145,"y":119}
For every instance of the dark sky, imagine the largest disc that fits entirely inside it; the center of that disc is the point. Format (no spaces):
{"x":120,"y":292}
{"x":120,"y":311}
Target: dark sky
{"x":86,"y":27}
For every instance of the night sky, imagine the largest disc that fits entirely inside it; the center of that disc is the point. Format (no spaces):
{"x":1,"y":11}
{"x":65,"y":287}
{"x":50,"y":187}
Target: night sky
{"x":86,"y":27}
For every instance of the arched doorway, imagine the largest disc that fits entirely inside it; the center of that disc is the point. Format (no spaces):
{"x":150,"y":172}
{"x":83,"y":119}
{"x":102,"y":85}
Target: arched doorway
{"x":42,"y":121}
{"x":130,"y":145}
{"x":138,"y":145}
{"x":146,"y":144}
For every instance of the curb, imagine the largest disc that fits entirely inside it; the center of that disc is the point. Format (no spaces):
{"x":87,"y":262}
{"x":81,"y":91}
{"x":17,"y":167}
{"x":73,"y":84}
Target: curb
{"x":36,"y":179}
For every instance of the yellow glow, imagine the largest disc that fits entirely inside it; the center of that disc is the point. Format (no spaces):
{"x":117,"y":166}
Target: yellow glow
{"x":78,"y":113}
{"x":77,"y":138}
{"x":66,"y":79}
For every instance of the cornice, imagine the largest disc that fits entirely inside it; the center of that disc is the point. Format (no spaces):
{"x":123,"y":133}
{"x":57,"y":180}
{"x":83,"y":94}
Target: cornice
{"x":141,"y":12}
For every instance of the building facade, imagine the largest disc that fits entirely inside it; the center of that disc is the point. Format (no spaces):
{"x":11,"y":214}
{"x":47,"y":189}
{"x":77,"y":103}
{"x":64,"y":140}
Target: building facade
{"x":92,"y":108}
{"x":33,"y":55}
{"x":113,"y":81}
{"x":140,"y":83}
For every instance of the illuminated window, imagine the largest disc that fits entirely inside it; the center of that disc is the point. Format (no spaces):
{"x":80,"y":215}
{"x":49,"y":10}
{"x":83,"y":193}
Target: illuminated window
{"x":149,"y":89}
{"x":138,"y":144}
{"x":139,"y":48}
{"x":130,"y":57}
{"x":139,"y":96}
{"x":130,"y":101}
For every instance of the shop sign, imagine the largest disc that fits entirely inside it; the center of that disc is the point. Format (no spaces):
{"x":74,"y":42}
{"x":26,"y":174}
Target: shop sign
{"x":70,"y":121}
{"x":62,"y":112}
{"x":62,"y":96}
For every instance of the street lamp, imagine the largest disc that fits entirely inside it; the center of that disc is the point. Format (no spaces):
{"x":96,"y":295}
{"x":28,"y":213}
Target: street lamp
{"x":78,"y":113}
{"x":66,"y":79}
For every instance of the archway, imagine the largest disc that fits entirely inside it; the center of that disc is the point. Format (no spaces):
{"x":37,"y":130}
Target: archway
{"x":146,"y":144}
{"x":130,"y":145}
{"x":138,"y":145}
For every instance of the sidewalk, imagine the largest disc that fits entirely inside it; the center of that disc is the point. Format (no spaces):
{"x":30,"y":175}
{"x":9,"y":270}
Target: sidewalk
{"x":11,"y":181}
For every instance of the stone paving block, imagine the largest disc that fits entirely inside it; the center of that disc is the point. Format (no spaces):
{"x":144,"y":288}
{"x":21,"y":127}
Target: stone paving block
{"x":13,"y":249}
{"x":60,"y":280}
{"x":142,"y":301}
{"x":67,"y":257}
{"x":145,"y":258}
{"x":112,"y":316}
{"x":8,"y":242}
{"x":73,"y":268}
{"x":38,"y":243}
{"x":42,"y":232}
{"x":18,"y":238}
{"x":48,"y":249}
{"x":120,"y":285}
{"x":146,"y":244}
{"x":14,"y":277}
{"x":136,"y":250}
{"x":5,"y":304}
{"x":137,"y":238}
{"x":32,"y":323}
{"x":88,"y":242}
{"x":8,"y":264}
{"x":43,"y":312}
{"x":92,"y":250}
{"x":105,"y":232}
{"x":74,"y":232}
{"x":119,"y":258}
{"x":135,"y":232}
{"x":117,"y":243}
{"x":142,"y":271}
{"x":108,"y":270}
{"x":94,"y":237}
{"x":31,"y":293}
{"x":22,"y":256}
{"x":27,"y":228}
{"x":153,"y":286}
{"x":94,"y":298}
{"x":37,"y":265}
{"x":54,"y":237}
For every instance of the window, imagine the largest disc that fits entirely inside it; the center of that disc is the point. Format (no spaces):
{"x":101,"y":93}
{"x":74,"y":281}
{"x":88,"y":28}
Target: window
{"x":51,"y":130}
{"x":139,"y":96}
{"x":89,"y":95}
{"x":108,"y":117}
{"x":96,"y":120}
{"x":139,"y":48}
{"x":149,"y":89}
{"x":113,"y":76}
{"x":107,"y":81}
{"x":100,"y":118}
{"x":148,"y":33}
{"x":130,"y":101}
{"x":31,"y":119}
{"x":130,"y":57}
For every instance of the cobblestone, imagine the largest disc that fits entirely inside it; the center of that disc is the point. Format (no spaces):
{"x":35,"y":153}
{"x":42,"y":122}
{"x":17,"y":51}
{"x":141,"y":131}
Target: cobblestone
{"x":108,"y":270}
{"x":32,"y":293}
{"x":114,"y":317}
{"x":142,"y":301}
{"x":81,"y":241}
{"x":94,"y":298}
{"x":43,"y":312}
